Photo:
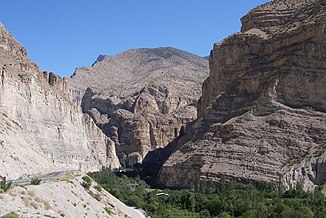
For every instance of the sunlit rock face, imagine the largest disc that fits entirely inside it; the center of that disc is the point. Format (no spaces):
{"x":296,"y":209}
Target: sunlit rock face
{"x":41,"y":127}
{"x":262,"y":111}
{"x":142,"y":97}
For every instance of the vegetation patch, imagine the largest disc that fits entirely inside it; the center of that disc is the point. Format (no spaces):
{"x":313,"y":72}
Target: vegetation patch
{"x":11,"y":215}
{"x":87,"y":182}
{"x":108,"y":210}
{"x":35,"y":181}
{"x":228,"y":199}
{"x":4,"y":184}
{"x":98,"y":188}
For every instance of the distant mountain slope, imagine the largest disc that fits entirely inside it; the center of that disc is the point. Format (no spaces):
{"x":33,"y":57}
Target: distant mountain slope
{"x":141,"y":98}
{"x":130,"y":71}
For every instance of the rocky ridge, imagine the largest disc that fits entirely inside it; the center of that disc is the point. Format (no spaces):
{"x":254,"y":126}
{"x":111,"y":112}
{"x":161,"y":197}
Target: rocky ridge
{"x":262,"y":111}
{"x":140,"y":98}
{"x":51,"y":129}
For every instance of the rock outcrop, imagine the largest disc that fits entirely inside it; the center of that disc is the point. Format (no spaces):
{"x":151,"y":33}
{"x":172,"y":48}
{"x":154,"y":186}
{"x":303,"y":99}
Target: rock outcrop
{"x":66,"y":198}
{"x":142,"y":97}
{"x":20,"y":154}
{"x":50,"y":128}
{"x":262,"y":112}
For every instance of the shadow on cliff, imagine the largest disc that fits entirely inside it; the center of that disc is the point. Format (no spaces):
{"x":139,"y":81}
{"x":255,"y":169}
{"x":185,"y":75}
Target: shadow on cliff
{"x":155,"y":159}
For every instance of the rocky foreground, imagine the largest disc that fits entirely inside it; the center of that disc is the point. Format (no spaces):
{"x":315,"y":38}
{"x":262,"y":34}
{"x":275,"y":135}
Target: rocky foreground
{"x":64,"y":198}
{"x":262,"y":112}
{"x":140,"y":98}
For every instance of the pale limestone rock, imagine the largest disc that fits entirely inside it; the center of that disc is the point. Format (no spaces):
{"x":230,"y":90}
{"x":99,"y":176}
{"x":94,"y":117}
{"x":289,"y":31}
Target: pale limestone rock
{"x":63,"y":198}
{"x":39,"y":104}
{"x":307,"y":172}
{"x":20,"y":154}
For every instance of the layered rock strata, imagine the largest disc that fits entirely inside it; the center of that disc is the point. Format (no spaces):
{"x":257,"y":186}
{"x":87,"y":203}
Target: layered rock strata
{"x":263,"y":105}
{"x":38,"y":103}
{"x":142,"y":97}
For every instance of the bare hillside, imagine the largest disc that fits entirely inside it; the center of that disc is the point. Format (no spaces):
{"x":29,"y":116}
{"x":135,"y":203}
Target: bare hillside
{"x":142,"y":97}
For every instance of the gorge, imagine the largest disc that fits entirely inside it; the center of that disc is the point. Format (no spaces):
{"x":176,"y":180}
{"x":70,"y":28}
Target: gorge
{"x":254,"y":112}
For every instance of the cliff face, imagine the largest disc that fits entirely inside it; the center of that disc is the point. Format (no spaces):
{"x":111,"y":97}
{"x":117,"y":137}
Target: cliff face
{"x":263,"y":105}
{"x":39,"y":105}
{"x":142,"y":97}
{"x":20,"y":154}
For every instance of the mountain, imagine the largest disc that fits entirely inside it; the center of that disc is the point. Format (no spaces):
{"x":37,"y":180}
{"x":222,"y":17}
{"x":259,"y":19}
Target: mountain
{"x":126,"y":73}
{"x":262,"y":111}
{"x":41,"y":129}
{"x":140,"y":98}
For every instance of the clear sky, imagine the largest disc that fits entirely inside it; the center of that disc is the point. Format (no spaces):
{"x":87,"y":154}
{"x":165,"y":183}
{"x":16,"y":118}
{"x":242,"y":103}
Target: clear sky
{"x":60,"y":35}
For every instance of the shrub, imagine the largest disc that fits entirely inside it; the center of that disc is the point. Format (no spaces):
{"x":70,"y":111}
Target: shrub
{"x":108,"y":210}
{"x":11,"y":215}
{"x":98,"y":188}
{"x":35,"y":181}
{"x":86,"y":185}
{"x":98,"y":197}
{"x":87,"y":182}
{"x":4,"y":185}
{"x":87,"y":179}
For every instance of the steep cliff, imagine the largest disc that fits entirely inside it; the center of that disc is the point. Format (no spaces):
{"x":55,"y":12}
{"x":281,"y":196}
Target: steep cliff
{"x":263,"y":105}
{"x":36,"y":107}
{"x":142,"y":97}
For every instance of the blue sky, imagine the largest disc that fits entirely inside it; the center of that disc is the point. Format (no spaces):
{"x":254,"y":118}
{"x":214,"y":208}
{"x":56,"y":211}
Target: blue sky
{"x":60,"y":35}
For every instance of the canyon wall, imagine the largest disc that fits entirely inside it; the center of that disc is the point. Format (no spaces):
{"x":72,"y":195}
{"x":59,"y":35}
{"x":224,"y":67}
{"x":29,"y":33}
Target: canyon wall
{"x":39,"y":105}
{"x":262,"y":111}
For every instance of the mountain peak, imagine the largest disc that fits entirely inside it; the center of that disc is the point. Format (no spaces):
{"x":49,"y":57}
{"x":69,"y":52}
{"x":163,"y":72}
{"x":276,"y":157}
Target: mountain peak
{"x":138,"y":67}
{"x":99,"y":59}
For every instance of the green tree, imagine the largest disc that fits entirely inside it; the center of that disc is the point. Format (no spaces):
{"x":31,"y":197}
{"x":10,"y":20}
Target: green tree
{"x":202,"y":202}
{"x":188,"y":200}
{"x":249,"y":214}
{"x":224,"y":215}
{"x":289,"y":212}
{"x":215,"y":205}
{"x":204,"y":214}
{"x":305,"y":212}
{"x":136,"y":201}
